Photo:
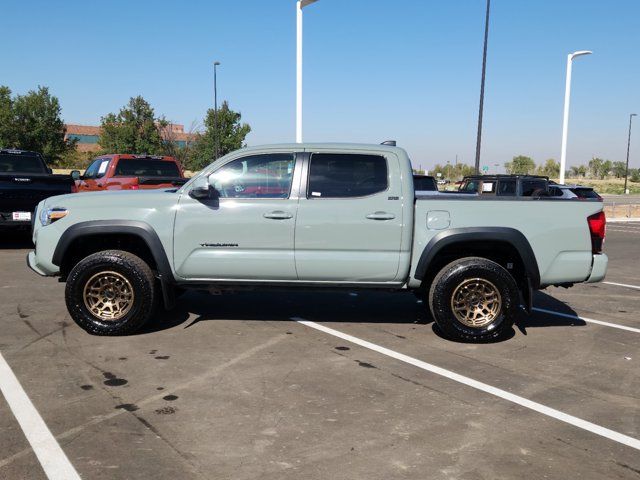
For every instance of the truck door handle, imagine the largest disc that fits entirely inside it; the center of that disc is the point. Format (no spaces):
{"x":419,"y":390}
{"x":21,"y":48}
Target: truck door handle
{"x":381,"y":216}
{"x":278,"y":215}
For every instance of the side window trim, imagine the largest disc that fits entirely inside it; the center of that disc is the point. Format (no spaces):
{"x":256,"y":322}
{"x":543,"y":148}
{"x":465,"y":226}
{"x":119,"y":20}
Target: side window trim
{"x":305,"y":193}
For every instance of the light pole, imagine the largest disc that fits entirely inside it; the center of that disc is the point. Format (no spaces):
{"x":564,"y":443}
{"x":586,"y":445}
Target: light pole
{"x":300,"y":4}
{"x":484,"y":70}
{"x":565,"y":121}
{"x":626,"y":171}
{"x":215,"y":106}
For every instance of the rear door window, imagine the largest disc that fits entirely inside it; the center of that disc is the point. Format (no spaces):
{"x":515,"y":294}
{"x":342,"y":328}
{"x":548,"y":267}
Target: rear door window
{"x":585,"y":193}
{"x":339,"y":175}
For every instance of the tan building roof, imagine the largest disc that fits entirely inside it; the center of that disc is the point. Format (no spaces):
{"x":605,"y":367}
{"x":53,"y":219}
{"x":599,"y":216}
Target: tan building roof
{"x":174,"y":131}
{"x":82,"y":129}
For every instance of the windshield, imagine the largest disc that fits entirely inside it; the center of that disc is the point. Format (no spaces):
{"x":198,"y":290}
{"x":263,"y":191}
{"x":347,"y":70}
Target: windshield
{"x":17,"y":163}
{"x":142,"y":167}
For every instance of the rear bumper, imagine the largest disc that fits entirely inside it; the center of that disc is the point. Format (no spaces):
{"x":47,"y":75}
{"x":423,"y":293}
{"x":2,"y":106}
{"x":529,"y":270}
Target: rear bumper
{"x":598,"y":268}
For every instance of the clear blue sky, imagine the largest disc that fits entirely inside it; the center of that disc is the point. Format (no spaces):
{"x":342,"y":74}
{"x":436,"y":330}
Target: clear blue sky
{"x":405,"y":69}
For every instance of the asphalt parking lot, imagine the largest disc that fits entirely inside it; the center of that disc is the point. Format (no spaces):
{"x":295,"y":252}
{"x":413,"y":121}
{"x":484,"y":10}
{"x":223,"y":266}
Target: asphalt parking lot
{"x":328,"y":385}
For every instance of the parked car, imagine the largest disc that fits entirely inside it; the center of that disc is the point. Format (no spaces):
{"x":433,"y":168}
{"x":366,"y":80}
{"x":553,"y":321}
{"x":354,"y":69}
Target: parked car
{"x":25,"y":180}
{"x":130,"y":172}
{"x":339,"y":216}
{"x":506,"y":185}
{"x":572,"y":191}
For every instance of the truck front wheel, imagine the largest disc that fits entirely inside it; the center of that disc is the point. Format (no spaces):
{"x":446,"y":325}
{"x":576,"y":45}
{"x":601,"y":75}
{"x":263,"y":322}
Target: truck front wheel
{"x":473,"y":299}
{"x":110,"y":293}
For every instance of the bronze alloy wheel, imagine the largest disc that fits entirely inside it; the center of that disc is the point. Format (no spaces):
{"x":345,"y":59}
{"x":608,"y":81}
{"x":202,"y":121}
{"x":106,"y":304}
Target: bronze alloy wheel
{"x":476,"y":302}
{"x":108,"y":295}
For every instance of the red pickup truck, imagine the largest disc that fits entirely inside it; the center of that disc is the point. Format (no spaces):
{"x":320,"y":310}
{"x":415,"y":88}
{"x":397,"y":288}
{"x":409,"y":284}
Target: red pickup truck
{"x":130,"y":172}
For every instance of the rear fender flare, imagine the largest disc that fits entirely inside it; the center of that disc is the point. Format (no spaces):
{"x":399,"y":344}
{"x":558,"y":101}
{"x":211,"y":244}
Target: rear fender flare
{"x":451,"y":236}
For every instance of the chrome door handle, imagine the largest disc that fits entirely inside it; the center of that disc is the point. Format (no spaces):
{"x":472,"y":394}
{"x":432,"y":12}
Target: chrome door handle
{"x":381,"y":216}
{"x":278,"y":215}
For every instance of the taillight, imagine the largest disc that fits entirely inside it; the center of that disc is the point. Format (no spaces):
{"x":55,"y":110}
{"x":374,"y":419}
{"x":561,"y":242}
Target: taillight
{"x":598,"y":229}
{"x":134,"y":187}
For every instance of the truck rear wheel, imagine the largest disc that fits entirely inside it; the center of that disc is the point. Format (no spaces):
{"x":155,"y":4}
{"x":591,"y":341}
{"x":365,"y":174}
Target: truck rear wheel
{"x":110,"y":293}
{"x":474,"y":299}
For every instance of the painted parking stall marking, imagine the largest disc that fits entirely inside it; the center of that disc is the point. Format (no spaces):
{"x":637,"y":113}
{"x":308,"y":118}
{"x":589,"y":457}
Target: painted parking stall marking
{"x":626,"y":285}
{"x":588,"y":320}
{"x":524,"y":402}
{"x":54,"y":462}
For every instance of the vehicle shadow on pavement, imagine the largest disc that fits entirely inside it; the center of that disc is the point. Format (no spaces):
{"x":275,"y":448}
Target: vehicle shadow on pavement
{"x":13,"y":240}
{"x":335,"y":307}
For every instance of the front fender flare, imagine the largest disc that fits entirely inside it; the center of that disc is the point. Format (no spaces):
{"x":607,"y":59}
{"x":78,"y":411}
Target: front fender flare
{"x":106,"y":227}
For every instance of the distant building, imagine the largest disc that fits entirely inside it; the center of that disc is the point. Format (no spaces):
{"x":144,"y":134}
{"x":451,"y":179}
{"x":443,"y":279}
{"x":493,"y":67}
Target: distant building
{"x":87,"y":136}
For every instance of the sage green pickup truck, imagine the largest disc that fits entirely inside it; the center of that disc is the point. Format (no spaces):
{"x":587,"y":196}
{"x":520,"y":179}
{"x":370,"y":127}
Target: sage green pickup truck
{"x":332,"y":216}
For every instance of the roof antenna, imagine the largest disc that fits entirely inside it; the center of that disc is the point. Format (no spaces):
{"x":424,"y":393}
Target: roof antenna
{"x":391,"y":143}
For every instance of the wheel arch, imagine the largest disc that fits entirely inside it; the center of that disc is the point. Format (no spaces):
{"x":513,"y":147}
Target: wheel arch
{"x":461,"y":242}
{"x":84,"y":237}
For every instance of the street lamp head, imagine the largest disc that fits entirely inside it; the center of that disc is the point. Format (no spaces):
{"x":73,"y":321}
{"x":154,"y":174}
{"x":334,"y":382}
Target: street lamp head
{"x":580,"y":53}
{"x":216,"y":63}
{"x":304,"y":3}
{"x":634,"y":115}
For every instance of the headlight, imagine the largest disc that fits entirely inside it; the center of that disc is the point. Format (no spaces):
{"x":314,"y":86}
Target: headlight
{"x":50,"y":215}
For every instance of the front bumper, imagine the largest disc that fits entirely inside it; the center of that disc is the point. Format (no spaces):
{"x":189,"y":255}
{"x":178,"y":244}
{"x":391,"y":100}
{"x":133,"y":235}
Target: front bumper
{"x":598,"y":268}
{"x":31,"y":263}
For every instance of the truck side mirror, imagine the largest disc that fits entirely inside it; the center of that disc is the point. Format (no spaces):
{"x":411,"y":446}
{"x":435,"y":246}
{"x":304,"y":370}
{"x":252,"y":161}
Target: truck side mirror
{"x":202,"y":190}
{"x":75,"y":174}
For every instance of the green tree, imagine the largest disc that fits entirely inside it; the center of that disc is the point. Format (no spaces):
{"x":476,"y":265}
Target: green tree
{"x":7,"y":125}
{"x":520,"y":165}
{"x":634,"y":174}
{"x":135,"y":129}
{"x":33,"y":122}
{"x":231,"y":134}
{"x":550,"y":169}
{"x":619,"y":169}
{"x":578,"y":171}
{"x":599,"y":168}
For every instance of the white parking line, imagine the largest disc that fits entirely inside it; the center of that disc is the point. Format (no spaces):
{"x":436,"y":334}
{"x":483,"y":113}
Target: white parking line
{"x":621,"y":230}
{"x":54,"y":462}
{"x":636,"y":287}
{"x":524,"y":402}
{"x":589,"y":320}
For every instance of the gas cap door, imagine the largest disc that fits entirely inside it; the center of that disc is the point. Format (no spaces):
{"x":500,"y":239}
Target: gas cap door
{"x":438,"y":219}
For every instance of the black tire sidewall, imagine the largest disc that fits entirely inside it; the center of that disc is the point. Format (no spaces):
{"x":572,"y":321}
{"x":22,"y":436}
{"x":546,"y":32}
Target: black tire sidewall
{"x":453,"y":275}
{"x":127,"y":265}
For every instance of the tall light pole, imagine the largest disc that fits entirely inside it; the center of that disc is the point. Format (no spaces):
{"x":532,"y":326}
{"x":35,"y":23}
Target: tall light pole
{"x":300,"y":4}
{"x":215,"y":106}
{"x":484,"y":70}
{"x":565,"y":121}
{"x":626,"y":171}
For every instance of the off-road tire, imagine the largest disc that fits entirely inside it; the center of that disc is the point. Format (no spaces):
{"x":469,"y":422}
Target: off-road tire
{"x":137,"y":273}
{"x":453,"y":275}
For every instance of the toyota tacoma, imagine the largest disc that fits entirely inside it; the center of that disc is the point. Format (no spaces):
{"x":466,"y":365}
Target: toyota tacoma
{"x":314,"y":216}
